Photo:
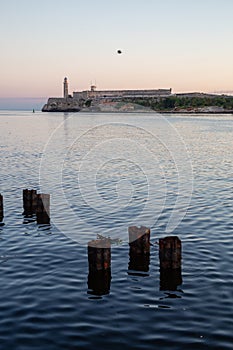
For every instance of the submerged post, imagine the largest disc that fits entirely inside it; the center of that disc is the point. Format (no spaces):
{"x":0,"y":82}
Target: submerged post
{"x":29,"y":202}
{"x":99,"y":259}
{"x":1,"y":208}
{"x":139,"y":249}
{"x":170,"y":262}
{"x":43,"y":209}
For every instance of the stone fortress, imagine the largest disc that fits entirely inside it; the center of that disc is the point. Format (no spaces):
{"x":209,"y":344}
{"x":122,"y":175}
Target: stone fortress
{"x":81,"y":100}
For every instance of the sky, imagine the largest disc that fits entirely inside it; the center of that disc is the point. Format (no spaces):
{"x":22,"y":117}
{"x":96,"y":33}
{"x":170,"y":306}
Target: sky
{"x":180,"y":44}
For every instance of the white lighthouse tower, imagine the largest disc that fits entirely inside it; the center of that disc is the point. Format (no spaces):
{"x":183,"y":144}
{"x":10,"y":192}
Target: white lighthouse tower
{"x":65,"y":90}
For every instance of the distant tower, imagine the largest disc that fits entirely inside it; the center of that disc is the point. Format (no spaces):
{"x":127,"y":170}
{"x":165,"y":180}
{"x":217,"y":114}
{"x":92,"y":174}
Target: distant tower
{"x":66,"y":93}
{"x":92,"y":93}
{"x":93,"y":88}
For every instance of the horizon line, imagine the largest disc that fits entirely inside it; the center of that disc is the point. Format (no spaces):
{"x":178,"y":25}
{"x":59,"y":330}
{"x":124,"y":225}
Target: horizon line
{"x":177,"y":92}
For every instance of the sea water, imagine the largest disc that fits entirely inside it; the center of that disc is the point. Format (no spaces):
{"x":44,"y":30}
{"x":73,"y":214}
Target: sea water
{"x":106,"y":172}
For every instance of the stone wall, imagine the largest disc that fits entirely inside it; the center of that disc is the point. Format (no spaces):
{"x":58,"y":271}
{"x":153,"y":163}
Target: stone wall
{"x":121,"y":93}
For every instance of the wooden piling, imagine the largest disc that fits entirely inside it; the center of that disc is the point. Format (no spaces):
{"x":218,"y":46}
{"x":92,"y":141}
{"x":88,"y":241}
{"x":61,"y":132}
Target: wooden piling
{"x":43,"y":209}
{"x":99,"y":254}
{"x":170,"y":263}
{"x":170,"y":252}
{"x":139,"y":249}
{"x":99,"y":259}
{"x":139,"y":239}
{"x":29,"y":202}
{"x":1,"y":208}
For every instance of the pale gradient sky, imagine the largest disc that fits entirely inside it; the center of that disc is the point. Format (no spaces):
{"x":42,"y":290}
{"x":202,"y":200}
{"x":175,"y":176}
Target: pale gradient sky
{"x":182,"y":44}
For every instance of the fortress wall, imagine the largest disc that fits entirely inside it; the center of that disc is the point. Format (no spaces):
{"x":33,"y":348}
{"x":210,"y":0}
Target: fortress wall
{"x":77,"y":95}
{"x":56,"y":99}
{"x":121,"y":93}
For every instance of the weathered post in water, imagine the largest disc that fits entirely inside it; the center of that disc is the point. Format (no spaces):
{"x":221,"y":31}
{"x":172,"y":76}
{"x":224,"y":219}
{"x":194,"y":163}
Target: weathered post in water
{"x":170,"y":252}
{"x":139,"y":249}
{"x":99,"y":254}
{"x":139,"y":239}
{"x":170,"y":262}
{"x":29,"y":202}
{"x":1,"y":208}
{"x":43,"y":209}
{"x":99,"y":259}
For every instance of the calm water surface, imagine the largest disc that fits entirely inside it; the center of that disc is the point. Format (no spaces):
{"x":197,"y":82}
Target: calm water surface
{"x":105,"y":173}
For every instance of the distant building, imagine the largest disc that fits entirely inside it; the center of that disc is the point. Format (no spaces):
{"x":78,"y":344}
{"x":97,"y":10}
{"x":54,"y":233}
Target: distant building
{"x":93,"y":93}
{"x":98,"y":94}
{"x":75,"y":102}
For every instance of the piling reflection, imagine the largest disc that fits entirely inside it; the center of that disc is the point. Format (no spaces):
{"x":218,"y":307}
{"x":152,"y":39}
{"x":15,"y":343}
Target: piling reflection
{"x":99,"y":282}
{"x":170,"y":263}
{"x":1,"y":211}
{"x":138,"y":263}
{"x":28,"y":219}
{"x":170,"y":279}
{"x":1,"y":221}
{"x":99,"y":260}
{"x":139,"y":251}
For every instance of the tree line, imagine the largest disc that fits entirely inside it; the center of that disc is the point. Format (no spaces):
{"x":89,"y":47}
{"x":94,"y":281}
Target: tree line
{"x":184,"y":102}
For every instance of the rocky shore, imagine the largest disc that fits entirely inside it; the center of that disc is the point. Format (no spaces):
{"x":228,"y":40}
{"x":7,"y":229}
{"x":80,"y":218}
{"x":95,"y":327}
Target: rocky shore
{"x":70,"y":105}
{"x":61,"y":105}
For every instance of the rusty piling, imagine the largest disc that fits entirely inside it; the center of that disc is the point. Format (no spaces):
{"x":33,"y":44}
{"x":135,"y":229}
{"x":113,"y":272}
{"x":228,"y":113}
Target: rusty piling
{"x":139,"y":249}
{"x":29,"y":202}
{"x":99,"y":259}
{"x":43,"y":209}
{"x":1,"y":208}
{"x":170,"y":262}
{"x":139,"y":239}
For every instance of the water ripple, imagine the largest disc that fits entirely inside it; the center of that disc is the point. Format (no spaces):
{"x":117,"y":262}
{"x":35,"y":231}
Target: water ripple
{"x":45,"y":300}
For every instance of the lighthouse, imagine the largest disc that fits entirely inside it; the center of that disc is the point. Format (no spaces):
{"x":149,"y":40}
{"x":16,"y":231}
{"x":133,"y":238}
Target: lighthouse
{"x":65,"y":91}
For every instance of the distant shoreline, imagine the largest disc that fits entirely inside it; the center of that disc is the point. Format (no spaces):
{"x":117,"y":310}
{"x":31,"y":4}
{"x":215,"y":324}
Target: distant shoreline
{"x":194,"y":103}
{"x":124,"y":112}
{"x":186,"y":112}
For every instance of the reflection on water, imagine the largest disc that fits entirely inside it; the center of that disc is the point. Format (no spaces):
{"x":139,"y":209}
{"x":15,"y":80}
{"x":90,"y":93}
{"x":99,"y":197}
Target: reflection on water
{"x":1,"y":220}
{"x":170,"y":279}
{"x":99,"y":282}
{"x":138,"y":262}
{"x":29,"y":218}
{"x":1,"y":210}
{"x":45,"y":228}
{"x":42,"y":218}
{"x":43,"y":269}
